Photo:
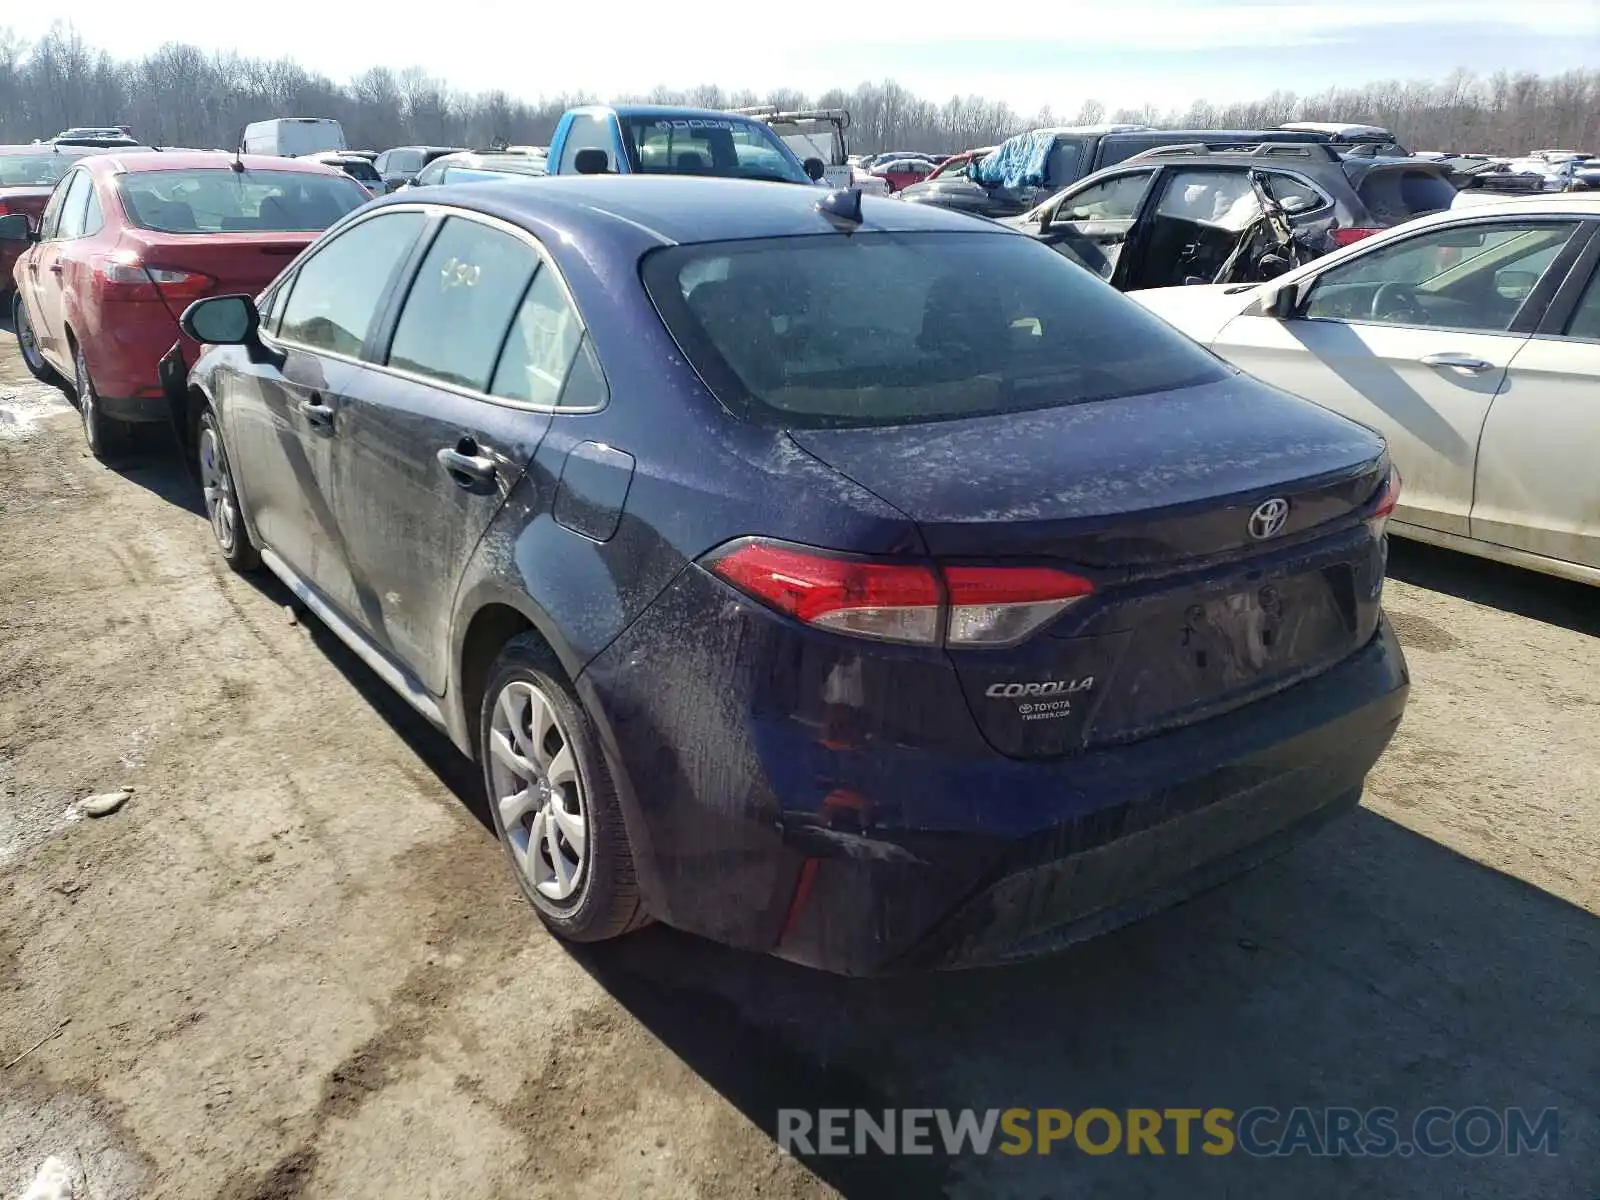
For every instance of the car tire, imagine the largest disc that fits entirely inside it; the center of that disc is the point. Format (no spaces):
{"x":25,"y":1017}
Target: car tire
{"x":106,"y":437}
{"x":224,"y":509}
{"x":28,"y":344}
{"x":553,"y":803}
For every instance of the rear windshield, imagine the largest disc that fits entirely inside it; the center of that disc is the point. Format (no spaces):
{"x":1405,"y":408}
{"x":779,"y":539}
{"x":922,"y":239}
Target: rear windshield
{"x":35,"y":170}
{"x":214,"y":199}
{"x":1397,"y":194}
{"x":885,"y":329}
{"x":360,"y":168}
{"x":709,"y":146}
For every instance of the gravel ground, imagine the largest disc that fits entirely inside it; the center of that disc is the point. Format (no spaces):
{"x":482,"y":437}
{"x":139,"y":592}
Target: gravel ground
{"x":295,"y":964}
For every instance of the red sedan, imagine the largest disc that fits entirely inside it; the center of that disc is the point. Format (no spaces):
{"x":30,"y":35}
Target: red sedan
{"x":129,"y":240}
{"x":903,"y":172}
{"x":28,"y":174}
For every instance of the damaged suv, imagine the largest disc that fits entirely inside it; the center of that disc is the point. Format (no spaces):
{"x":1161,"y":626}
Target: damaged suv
{"x":1185,"y":214}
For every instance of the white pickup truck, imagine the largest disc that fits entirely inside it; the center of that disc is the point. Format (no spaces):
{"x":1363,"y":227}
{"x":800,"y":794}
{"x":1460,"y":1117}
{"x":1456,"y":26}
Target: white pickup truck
{"x":819,"y":133}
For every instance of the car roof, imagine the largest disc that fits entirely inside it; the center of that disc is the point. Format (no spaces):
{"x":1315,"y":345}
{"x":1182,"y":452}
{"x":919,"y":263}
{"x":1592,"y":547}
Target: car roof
{"x":191,"y":160}
{"x":664,"y":110}
{"x":676,"y":209}
{"x":1312,"y":160}
{"x":492,"y":159}
{"x":1563,"y":204}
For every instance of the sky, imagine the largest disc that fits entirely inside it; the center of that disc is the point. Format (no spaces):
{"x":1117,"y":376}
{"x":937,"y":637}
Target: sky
{"x":1028,"y":53}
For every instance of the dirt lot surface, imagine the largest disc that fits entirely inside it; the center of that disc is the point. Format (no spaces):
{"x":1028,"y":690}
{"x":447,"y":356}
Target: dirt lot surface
{"x":295,"y":963}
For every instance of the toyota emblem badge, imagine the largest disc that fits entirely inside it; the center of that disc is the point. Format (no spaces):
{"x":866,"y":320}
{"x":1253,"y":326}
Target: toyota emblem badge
{"x":1268,"y":518}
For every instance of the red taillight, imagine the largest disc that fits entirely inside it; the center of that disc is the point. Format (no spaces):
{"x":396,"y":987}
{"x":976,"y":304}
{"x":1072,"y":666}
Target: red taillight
{"x":900,"y":602}
{"x":1388,"y":498}
{"x":125,"y":277}
{"x":888,"y":601}
{"x":5,"y":209}
{"x":1349,"y":237}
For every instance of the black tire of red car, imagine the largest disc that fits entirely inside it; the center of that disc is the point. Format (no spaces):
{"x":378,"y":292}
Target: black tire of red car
{"x":215,"y":470}
{"x":106,"y":437}
{"x":606,"y":904}
{"x":27,"y":344}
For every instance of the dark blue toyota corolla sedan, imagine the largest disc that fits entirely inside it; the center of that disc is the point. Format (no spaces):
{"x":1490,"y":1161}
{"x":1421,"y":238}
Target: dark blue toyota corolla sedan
{"x":869,"y":586}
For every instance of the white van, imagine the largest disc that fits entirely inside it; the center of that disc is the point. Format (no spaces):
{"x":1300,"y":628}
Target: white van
{"x":292,"y":136}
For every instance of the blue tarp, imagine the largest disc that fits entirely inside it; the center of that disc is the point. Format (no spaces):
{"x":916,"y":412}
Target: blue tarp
{"x":1019,"y":162}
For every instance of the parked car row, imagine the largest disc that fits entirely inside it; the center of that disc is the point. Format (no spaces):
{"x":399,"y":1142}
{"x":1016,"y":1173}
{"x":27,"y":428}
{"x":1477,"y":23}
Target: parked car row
{"x":127,"y":239}
{"x":838,"y":577}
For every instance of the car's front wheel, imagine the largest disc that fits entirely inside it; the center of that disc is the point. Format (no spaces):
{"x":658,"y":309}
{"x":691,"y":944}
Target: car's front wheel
{"x":221,"y":495}
{"x":106,"y":436}
{"x":552,"y":799}
{"x":28,"y":343}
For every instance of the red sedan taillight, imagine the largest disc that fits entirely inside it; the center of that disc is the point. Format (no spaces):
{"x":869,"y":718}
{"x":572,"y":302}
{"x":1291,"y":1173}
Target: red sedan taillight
{"x":124,"y":276}
{"x":900,"y":602}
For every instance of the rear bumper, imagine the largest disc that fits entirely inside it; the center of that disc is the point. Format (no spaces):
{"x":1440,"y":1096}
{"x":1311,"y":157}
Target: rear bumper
{"x":124,"y":348}
{"x":767,"y":813}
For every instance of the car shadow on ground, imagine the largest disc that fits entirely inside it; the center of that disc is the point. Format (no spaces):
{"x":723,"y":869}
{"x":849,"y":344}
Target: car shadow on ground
{"x":1574,"y":606}
{"x":1371,"y":967}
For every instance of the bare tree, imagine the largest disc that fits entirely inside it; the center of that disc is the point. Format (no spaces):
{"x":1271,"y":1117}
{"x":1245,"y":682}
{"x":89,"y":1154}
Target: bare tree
{"x":179,"y":95}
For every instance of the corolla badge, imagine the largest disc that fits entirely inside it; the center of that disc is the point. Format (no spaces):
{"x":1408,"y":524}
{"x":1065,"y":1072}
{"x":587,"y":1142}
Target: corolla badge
{"x":1268,"y":518}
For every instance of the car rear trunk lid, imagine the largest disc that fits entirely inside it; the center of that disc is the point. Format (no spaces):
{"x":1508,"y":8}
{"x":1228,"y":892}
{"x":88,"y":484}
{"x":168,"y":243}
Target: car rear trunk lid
{"x":1199,"y":606}
{"x":237,"y":262}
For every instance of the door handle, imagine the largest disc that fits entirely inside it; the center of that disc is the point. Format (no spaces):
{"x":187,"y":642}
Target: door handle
{"x":55,"y":268}
{"x":467,"y":468}
{"x":316,"y":411}
{"x":1457,"y":362}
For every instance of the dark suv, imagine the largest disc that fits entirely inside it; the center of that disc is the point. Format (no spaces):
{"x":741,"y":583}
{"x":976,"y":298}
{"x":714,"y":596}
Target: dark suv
{"x":1068,"y":155}
{"x":1183,"y":214}
{"x":404,"y":163}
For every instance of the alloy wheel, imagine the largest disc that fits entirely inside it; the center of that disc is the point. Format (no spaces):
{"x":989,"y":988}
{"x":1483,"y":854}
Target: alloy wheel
{"x":86,"y":405}
{"x":216,"y":481}
{"x":26,"y":342}
{"x":535,"y":786}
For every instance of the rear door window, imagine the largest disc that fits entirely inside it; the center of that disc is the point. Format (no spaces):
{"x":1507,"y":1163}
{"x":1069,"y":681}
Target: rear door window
{"x":339,"y":289}
{"x":461,"y":304}
{"x":1585,"y":322}
{"x":74,"y":206}
{"x":51,"y":220}
{"x":1295,"y":195}
{"x":1210,"y":197}
{"x":539,"y":351}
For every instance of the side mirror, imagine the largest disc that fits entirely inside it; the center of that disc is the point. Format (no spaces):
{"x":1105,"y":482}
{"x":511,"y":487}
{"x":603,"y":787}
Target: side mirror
{"x":592,"y":161}
{"x":16,"y":228}
{"x":1281,"y":303}
{"x":222,"y":321}
{"x":815,"y":169}
{"x":409,"y":181}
